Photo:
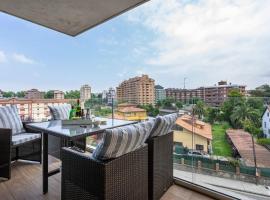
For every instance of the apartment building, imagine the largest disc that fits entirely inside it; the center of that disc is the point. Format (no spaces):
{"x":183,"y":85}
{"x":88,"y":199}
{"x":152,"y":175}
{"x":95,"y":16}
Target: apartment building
{"x":33,"y":109}
{"x":110,"y":96}
{"x":212,"y":95}
{"x":160,"y":93}
{"x":216,"y":95}
{"x":137,"y":90}
{"x":57,"y":94}
{"x":34,"y":94}
{"x":85,"y":92}
{"x":184,"y":95}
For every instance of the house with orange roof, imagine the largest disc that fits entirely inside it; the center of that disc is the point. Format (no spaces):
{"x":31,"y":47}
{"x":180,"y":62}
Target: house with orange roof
{"x":131,"y":113}
{"x":192,"y":133}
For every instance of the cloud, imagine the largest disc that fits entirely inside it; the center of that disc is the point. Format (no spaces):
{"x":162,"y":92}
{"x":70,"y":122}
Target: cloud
{"x":3,"y":57}
{"x":22,"y":59}
{"x":207,"y":40}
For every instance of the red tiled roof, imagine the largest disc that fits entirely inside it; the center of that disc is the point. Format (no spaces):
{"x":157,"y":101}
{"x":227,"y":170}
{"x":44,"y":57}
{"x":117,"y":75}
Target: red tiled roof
{"x":201,"y":128}
{"x":242,"y":141}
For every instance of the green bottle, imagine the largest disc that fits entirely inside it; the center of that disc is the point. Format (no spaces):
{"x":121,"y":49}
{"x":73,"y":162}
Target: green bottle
{"x":78,"y":109}
{"x":72,"y":113}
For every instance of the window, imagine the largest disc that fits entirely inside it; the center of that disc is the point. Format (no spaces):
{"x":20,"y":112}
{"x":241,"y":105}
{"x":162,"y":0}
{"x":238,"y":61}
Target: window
{"x":199,"y":147}
{"x":264,"y":124}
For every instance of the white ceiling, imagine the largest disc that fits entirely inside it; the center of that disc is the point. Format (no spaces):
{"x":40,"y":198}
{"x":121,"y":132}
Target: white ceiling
{"x":71,"y":17}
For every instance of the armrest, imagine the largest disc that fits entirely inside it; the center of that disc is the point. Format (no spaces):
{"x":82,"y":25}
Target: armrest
{"x":5,"y":136}
{"x":5,"y":145}
{"x":28,"y":129}
{"x":81,"y":169}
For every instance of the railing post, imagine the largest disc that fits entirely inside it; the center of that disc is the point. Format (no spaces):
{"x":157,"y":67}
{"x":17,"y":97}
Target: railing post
{"x":217,"y":167}
{"x":199,"y":165}
{"x":182,"y":161}
{"x":237,"y":170}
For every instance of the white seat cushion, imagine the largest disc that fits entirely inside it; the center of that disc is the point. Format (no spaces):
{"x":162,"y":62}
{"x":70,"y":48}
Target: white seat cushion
{"x":9,"y":118}
{"x":122,"y":140}
{"x":163,"y":125}
{"x":24,"y":137}
{"x":60,"y":112}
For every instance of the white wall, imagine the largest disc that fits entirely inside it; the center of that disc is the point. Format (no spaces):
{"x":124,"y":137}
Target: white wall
{"x":266,"y":123}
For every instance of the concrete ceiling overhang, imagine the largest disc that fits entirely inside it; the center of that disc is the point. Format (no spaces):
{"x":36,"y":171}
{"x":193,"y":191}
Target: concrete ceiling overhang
{"x":71,"y":17}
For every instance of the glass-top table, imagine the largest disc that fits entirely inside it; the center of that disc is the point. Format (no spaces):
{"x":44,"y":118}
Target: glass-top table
{"x":68,"y":133}
{"x":76,"y":131}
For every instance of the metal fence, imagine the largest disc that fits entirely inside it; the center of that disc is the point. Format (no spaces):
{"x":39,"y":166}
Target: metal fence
{"x":226,"y":166}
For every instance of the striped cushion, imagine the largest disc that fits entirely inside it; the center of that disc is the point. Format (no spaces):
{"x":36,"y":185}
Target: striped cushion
{"x":9,"y":118}
{"x":24,"y":137}
{"x":119,"y":141}
{"x":60,"y":112}
{"x":163,"y":125}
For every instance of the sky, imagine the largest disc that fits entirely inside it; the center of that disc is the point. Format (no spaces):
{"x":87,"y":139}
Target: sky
{"x":202,"y":40}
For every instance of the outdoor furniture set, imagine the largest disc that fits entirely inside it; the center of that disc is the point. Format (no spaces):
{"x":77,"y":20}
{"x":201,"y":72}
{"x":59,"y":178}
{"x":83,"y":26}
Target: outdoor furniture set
{"x":131,"y":161}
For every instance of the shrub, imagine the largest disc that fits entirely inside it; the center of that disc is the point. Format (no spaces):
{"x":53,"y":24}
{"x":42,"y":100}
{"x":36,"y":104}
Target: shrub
{"x":264,"y":141}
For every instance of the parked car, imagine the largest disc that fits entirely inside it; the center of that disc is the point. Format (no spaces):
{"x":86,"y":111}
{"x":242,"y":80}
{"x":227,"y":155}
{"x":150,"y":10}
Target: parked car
{"x":198,"y":153}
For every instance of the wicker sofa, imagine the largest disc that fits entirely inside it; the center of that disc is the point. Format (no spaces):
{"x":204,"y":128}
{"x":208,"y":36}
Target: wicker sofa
{"x":117,"y":169}
{"x":16,"y":142}
{"x":160,"y":157}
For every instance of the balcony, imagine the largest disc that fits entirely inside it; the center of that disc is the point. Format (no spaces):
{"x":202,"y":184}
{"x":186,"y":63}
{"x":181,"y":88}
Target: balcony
{"x":26,"y":183}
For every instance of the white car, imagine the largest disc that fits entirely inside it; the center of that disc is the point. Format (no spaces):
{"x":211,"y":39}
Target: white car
{"x":198,"y":153}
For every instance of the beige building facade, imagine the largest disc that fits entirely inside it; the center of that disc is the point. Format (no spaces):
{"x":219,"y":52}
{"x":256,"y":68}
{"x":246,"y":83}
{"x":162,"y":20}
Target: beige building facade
{"x":57,"y":94}
{"x":34,"y":94}
{"x":137,"y":90}
{"x":34,"y":109}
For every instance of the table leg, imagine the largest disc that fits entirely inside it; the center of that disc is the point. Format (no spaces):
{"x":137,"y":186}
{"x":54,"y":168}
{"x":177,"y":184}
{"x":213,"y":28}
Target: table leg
{"x":45,"y":163}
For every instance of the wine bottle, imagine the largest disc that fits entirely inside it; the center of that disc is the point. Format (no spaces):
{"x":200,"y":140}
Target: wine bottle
{"x":78,"y":109}
{"x":82,"y":114}
{"x":87,"y":113}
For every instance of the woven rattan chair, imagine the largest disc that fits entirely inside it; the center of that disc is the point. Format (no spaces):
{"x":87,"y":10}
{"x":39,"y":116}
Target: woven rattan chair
{"x":22,"y":146}
{"x":122,"y":178}
{"x":117,"y":169}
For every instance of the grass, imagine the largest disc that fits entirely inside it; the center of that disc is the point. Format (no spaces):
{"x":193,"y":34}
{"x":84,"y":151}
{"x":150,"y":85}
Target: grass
{"x":220,"y":145}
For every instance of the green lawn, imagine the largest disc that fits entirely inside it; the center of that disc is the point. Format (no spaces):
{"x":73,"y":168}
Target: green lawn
{"x":220,"y":145}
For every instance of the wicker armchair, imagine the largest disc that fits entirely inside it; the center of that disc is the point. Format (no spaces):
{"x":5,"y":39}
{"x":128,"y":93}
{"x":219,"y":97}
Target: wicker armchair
{"x":122,"y":178}
{"x":22,"y":146}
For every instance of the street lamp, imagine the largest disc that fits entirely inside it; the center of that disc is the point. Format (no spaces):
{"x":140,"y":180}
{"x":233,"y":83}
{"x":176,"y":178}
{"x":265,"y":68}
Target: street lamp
{"x":112,"y":94}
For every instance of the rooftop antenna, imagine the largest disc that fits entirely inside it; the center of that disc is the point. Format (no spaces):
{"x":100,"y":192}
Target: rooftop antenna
{"x":185,"y":78}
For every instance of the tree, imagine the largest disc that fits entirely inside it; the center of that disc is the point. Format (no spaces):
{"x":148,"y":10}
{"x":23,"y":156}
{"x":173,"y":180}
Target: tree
{"x":199,"y":109}
{"x":179,"y":104}
{"x":256,"y":103}
{"x":93,"y":102}
{"x":49,"y":94}
{"x":72,"y":94}
{"x":244,"y":112}
{"x":159,"y":104}
{"x":212,"y":114}
{"x":234,"y":99}
{"x":20,"y":94}
{"x":262,"y":91}
{"x":167,"y":103}
{"x":151,"y":111}
{"x":8,"y":94}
